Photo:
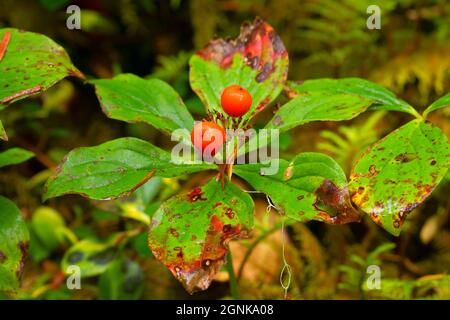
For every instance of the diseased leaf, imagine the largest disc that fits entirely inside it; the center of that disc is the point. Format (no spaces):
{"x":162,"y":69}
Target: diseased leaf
{"x":399,"y":172}
{"x":113,"y":169}
{"x":318,"y":107}
{"x":190,"y":232}
{"x":14,"y":238}
{"x":442,"y":102}
{"x":311,"y":186}
{"x":130,"y":98}
{"x":14,"y":156}
{"x":257,"y":60}
{"x":31,"y":63}
{"x":382,"y":98}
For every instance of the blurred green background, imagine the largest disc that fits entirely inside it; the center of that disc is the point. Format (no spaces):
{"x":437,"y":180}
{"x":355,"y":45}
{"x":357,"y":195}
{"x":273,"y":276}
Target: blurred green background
{"x":410,"y":55}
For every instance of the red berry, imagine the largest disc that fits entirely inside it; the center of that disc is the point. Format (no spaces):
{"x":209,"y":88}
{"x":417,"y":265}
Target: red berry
{"x":235,"y":100}
{"x":208,"y":134}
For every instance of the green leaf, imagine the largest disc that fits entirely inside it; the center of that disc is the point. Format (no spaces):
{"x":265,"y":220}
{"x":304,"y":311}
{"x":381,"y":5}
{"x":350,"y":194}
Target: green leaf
{"x":14,"y":156}
{"x":140,"y":244}
{"x":257,"y":60}
{"x":334,"y":100}
{"x":49,"y":227}
{"x":311,"y":186}
{"x":318,"y":106}
{"x":149,"y":190}
{"x":130,"y":98}
{"x":37,"y":250}
{"x":48,"y":231}
{"x":91,"y":256}
{"x":32,"y":63}
{"x":381,"y":97}
{"x":3,"y":134}
{"x":133,"y":211}
{"x":97,"y":23}
{"x":399,"y":172}
{"x":14,"y":238}
{"x":189,"y":232}
{"x":442,"y":102}
{"x":113,"y":169}
{"x":373,"y":256}
{"x":123,"y":280}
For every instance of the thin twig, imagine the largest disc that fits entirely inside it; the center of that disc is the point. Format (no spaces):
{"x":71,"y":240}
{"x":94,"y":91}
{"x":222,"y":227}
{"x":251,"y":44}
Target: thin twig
{"x":40,"y":156}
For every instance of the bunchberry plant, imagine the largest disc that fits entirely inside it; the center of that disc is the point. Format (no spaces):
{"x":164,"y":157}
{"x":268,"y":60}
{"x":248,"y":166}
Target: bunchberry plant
{"x":235,"y":79}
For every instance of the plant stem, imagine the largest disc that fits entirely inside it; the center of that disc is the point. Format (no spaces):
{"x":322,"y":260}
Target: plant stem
{"x":234,"y":289}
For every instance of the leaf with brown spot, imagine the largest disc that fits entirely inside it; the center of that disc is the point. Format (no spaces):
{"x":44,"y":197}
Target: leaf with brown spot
{"x":14,"y":238}
{"x":311,"y":186}
{"x":399,"y":172}
{"x":256,"y":60}
{"x":113,"y":169}
{"x":190,"y":232}
{"x":30,"y":63}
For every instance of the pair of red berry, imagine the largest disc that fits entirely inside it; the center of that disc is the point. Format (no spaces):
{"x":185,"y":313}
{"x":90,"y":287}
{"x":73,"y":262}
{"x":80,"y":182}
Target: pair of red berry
{"x":235,"y":101}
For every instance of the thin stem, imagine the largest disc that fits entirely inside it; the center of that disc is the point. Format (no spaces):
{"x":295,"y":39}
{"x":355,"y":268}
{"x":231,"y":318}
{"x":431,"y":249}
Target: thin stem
{"x":418,"y":115}
{"x":221,"y":175}
{"x":40,"y":156}
{"x":233,"y":283}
